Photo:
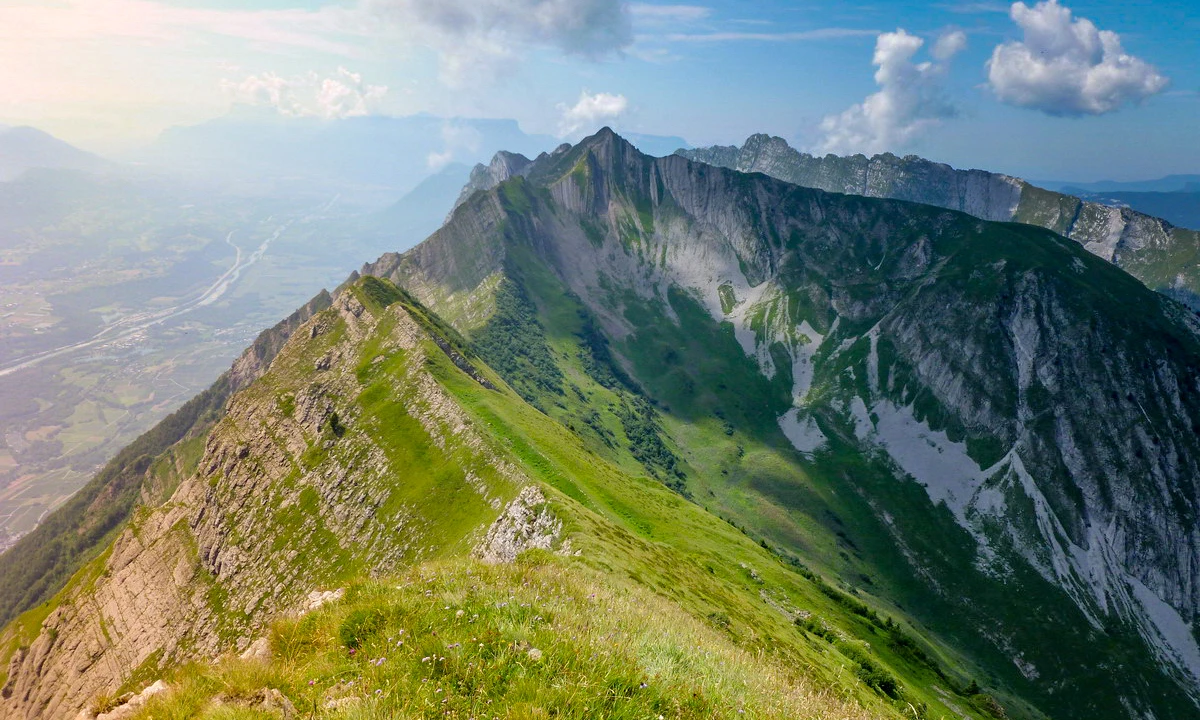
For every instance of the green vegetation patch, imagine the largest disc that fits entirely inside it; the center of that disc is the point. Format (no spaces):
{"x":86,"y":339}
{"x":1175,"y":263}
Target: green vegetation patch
{"x":538,"y":639}
{"x":646,"y":444}
{"x":696,"y":369}
{"x":728,"y":299}
{"x":513,"y":343}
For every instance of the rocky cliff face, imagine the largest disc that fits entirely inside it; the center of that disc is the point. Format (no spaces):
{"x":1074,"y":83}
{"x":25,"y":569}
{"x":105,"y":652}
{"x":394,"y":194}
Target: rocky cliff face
{"x":1151,"y":249}
{"x":1044,"y":400}
{"x":296,"y":489}
{"x":503,"y":166}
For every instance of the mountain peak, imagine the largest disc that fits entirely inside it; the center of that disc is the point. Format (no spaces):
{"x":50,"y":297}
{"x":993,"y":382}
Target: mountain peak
{"x":607,"y":141}
{"x":606,"y":132}
{"x":508,"y":163}
{"x":607,"y":150}
{"x":761,"y":139}
{"x":503,"y":166}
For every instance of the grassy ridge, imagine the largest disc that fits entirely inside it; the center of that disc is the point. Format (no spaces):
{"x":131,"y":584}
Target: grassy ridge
{"x":697,"y":587}
{"x":542,"y":638}
{"x":661,"y":594}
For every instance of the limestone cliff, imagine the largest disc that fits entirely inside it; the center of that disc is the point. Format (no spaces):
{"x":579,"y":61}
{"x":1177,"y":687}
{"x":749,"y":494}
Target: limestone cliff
{"x":1151,"y":249}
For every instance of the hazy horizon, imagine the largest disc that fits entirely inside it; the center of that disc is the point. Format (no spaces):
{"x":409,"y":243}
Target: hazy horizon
{"x":1070,"y":91}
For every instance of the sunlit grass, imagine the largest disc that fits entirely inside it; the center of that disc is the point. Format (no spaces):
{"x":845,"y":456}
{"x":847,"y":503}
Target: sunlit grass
{"x":542,"y":638}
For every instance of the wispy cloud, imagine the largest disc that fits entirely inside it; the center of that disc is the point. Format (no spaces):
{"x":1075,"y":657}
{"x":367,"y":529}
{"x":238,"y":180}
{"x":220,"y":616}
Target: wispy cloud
{"x":831,"y":33}
{"x":949,"y":44}
{"x":648,"y":53}
{"x":478,"y":41}
{"x":140,"y":65}
{"x":472,"y":39}
{"x":974,"y":8}
{"x":338,"y":95}
{"x":643,"y":13}
{"x":458,"y":140}
{"x":157,"y":24}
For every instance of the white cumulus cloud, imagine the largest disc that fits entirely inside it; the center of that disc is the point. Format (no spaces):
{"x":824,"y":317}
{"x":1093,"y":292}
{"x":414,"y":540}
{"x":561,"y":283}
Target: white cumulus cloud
{"x":340,"y":95}
{"x":909,"y":101}
{"x":1066,"y":66}
{"x":589,"y":111}
{"x":477,"y":40}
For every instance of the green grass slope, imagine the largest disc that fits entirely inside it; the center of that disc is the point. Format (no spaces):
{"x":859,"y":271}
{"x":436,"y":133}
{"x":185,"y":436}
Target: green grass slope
{"x":539,"y":639}
{"x":625,"y":519}
{"x":653,"y":606}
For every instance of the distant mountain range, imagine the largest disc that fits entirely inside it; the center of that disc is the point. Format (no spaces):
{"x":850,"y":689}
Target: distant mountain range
{"x":1169,"y":183}
{"x":421,"y":211}
{"x":1164,"y":257}
{"x":375,"y":159}
{"x":23,"y":148}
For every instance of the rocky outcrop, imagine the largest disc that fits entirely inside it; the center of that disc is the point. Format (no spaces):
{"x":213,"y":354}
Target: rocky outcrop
{"x":525,"y":524}
{"x":128,"y":705}
{"x":504,"y":165}
{"x":1151,"y":249}
{"x":298,"y":486}
{"x":254,"y":360}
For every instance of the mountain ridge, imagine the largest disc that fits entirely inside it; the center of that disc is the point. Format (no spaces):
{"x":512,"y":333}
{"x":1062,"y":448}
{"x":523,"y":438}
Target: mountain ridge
{"x":1179,"y":207}
{"x":572,"y":182}
{"x":1156,"y":252}
{"x":204,"y":595}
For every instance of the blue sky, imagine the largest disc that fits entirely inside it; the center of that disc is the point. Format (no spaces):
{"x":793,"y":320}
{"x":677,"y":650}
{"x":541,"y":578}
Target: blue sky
{"x":1070,"y":90}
